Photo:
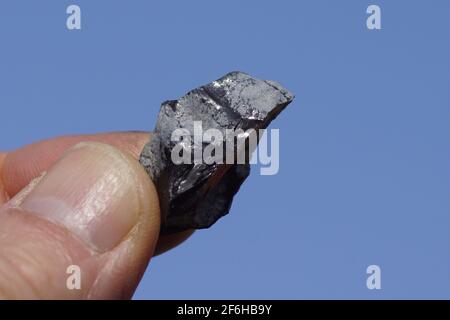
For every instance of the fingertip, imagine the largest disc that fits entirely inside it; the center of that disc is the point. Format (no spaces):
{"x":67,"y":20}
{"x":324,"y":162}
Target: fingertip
{"x":168,"y":242}
{"x":93,"y":193}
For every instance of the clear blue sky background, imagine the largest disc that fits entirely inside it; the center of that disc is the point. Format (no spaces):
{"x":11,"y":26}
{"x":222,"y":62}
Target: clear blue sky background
{"x":365,"y":152}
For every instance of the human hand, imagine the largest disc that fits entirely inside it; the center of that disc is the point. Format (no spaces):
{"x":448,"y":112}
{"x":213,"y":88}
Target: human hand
{"x":95,"y":208}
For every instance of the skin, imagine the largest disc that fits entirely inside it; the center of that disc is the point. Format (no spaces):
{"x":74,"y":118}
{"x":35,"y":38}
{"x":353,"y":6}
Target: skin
{"x":18,"y":168}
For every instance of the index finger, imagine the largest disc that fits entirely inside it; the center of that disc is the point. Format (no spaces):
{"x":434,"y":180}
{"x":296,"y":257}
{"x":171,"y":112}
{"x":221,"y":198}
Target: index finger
{"x":27,"y":163}
{"x":3,"y":195}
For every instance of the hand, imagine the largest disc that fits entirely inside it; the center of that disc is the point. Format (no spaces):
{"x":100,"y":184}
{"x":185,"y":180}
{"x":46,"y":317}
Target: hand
{"x":88,"y":204}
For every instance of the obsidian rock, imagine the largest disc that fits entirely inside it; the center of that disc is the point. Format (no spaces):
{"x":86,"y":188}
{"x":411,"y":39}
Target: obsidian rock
{"x":196,"y":195}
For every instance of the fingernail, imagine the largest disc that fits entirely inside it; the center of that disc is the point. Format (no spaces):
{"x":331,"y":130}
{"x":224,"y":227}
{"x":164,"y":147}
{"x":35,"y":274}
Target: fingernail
{"x":92,"y":191}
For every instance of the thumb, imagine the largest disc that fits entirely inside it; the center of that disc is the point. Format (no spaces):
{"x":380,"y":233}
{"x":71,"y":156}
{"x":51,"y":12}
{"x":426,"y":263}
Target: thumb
{"x":85,"y":229}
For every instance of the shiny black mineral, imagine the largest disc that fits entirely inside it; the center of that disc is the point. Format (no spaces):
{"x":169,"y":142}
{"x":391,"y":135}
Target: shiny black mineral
{"x":195,"y":194}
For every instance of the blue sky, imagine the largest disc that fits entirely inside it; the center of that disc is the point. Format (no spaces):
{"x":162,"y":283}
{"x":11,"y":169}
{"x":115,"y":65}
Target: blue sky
{"x":364,"y":149}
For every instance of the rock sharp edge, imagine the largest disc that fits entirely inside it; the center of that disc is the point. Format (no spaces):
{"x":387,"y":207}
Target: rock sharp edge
{"x":195,"y":196}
